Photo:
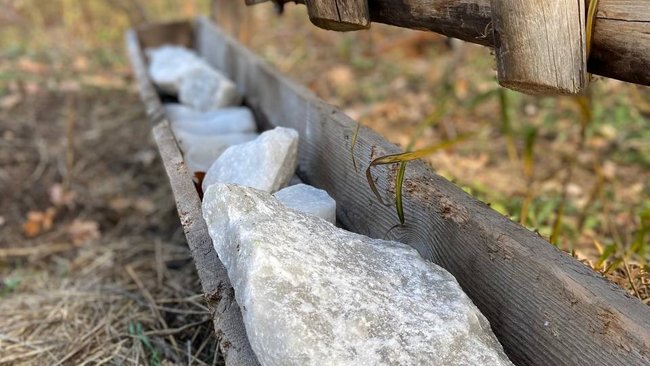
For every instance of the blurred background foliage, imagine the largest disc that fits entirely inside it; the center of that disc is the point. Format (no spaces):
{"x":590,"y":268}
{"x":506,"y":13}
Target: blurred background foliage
{"x":575,"y":170}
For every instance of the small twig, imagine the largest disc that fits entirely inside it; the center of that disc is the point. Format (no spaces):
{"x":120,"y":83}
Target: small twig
{"x":629,"y":278}
{"x":189,"y":352}
{"x":71,"y":121}
{"x":150,"y":300}
{"x":43,"y":250}
{"x":160,"y":266}
{"x":81,"y":342}
{"x":18,"y":356}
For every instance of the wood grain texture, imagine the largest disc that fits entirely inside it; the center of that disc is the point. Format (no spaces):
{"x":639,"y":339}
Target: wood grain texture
{"x":339,"y":15}
{"x":540,"y":45}
{"x":545,"y":307}
{"x":620,"y":49}
{"x":621,"y":40}
{"x":621,"y":44}
{"x":227,"y":317}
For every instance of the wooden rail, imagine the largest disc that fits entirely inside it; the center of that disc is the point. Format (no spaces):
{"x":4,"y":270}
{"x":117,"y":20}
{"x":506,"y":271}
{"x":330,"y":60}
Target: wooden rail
{"x":620,"y":45}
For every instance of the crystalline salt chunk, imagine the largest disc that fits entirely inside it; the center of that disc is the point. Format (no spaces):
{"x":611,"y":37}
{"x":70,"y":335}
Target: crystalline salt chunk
{"x":168,"y":64}
{"x":266,"y":163}
{"x":313,"y":294}
{"x":207,"y":89}
{"x":222,"y":121}
{"x":200,"y":151}
{"x":308,"y":199}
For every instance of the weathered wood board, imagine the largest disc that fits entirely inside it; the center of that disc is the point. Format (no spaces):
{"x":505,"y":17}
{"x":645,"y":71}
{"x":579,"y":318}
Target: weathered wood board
{"x":620,"y":45}
{"x":219,"y":295}
{"x":545,"y":307}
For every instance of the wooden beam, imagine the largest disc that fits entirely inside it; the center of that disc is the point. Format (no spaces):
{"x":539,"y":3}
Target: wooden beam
{"x":540,"y":45}
{"x":545,"y":307}
{"x":620,"y":45}
{"x":339,"y":15}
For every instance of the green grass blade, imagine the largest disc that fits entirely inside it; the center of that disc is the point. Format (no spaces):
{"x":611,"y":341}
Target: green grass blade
{"x":353,"y":144}
{"x":403,"y":158}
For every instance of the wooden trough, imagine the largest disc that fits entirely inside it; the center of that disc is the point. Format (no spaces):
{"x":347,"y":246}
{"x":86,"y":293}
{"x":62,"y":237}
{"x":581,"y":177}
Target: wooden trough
{"x":545,"y":307}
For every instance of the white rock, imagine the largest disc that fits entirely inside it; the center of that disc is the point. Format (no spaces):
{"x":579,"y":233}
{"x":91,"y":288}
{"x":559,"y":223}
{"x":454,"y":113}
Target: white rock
{"x":206,"y":89}
{"x":313,"y":294}
{"x":222,"y":121}
{"x":267,"y":163}
{"x":168,"y":64}
{"x":201,"y":151}
{"x":308,"y":199}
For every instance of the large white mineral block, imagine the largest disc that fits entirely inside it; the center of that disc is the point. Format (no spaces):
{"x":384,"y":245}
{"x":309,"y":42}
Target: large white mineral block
{"x":308,"y":199}
{"x":313,"y":294}
{"x":222,"y":121}
{"x":168,"y":64}
{"x":200,"y":152}
{"x":266,"y":163}
{"x":207,"y":89}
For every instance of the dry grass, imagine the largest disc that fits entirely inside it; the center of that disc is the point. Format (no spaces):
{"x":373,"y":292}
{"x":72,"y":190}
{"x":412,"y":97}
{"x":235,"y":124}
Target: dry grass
{"x":127,"y":294}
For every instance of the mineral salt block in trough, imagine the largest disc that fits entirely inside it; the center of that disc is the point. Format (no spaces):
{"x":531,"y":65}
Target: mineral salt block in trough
{"x":207,"y":89}
{"x":314,"y":294}
{"x":222,"y":121}
{"x":201,"y":151}
{"x":266,"y":163}
{"x":168,"y":64}
{"x":308,"y":199}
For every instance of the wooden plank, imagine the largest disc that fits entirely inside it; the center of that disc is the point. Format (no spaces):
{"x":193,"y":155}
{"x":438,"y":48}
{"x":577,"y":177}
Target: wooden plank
{"x":540,"y":46}
{"x":620,"y":45}
{"x":339,"y":15}
{"x":227,"y":317}
{"x":621,"y":42}
{"x":545,"y":307}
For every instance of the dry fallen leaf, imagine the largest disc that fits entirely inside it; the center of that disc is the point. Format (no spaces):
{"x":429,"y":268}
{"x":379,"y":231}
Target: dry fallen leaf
{"x":144,"y":205}
{"x":10,"y":101}
{"x":59,"y":197}
{"x":340,"y":76}
{"x":119,"y":203}
{"x":38,"y":222}
{"x":81,"y":231}
{"x":28,"y":65}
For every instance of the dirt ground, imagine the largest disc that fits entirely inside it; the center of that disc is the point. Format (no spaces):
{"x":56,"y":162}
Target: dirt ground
{"x":111,"y":279}
{"x":93,"y":264}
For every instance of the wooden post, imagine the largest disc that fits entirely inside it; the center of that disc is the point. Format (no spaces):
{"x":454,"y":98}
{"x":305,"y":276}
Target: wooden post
{"x":540,"y":45}
{"x":339,"y":15}
{"x":232,"y":16}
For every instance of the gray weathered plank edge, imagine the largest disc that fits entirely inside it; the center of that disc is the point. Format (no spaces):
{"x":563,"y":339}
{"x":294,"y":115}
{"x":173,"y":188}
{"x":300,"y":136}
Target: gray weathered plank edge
{"x":545,"y":307}
{"x":226,"y":314}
